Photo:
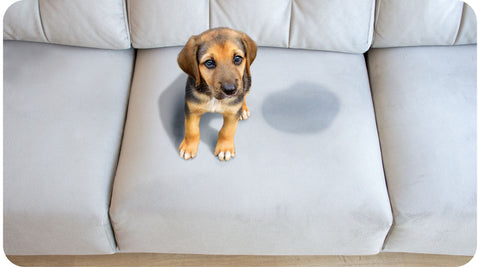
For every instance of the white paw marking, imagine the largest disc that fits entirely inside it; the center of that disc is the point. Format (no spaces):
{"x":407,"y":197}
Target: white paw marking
{"x":225,"y":156}
{"x":245,"y":114}
{"x":186,"y":155}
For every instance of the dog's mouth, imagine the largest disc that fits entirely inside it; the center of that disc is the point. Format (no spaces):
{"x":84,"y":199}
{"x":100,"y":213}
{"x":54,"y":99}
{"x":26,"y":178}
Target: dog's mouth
{"x":230,"y":92}
{"x":221,"y":94}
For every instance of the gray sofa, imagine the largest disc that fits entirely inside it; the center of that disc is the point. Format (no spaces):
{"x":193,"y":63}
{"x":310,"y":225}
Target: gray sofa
{"x":362,"y":137}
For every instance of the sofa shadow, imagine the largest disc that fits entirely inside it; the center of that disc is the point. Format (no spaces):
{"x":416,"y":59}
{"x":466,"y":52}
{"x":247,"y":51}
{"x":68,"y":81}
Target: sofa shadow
{"x":171,"y":105}
{"x":303,"y":108}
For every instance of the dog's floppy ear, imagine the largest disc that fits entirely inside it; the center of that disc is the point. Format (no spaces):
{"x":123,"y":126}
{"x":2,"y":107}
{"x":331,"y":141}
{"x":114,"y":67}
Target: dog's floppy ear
{"x":187,"y":59}
{"x":250,"y":51}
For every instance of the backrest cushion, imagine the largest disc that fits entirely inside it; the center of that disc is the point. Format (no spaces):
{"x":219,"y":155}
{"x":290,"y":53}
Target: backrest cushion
{"x":156,"y":23}
{"x":89,"y":23}
{"x":468,"y":27}
{"x":337,"y":25}
{"x":423,"y":22}
{"x":267,"y":22}
{"x":334,"y":25}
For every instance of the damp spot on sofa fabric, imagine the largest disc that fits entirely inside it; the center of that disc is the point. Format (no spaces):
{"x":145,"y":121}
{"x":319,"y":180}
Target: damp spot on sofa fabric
{"x":302,"y":108}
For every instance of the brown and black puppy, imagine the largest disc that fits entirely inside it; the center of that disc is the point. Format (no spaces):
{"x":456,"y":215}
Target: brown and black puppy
{"x":218,"y":64}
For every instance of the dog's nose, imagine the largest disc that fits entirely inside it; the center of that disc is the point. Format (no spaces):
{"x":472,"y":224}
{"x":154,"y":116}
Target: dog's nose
{"x":229,"y":88}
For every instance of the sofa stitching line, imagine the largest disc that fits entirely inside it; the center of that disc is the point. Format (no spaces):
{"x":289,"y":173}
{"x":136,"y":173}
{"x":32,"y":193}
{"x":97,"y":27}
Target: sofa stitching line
{"x":371,"y":26}
{"x":41,"y":21}
{"x":210,"y":14}
{"x":126,"y":11}
{"x":289,"y":40}
{"x":378,"y":6}
{"x":375,"y":22}
{"x":459,"y":25}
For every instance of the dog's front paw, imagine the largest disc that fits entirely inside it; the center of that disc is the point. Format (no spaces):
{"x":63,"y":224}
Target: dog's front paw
{"x":188,"y":149}
{"x":245,"y":114}
{"x":225,"y":150}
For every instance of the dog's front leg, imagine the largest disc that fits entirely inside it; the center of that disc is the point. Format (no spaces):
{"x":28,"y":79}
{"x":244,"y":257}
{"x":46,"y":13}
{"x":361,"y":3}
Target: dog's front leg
{"x":245,"y":111}
{"x":189,"y":146}
{"x":225,"y":148}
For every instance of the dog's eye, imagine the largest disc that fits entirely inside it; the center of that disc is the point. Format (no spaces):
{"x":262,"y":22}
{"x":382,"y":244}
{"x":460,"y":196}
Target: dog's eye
{"x":210,"y":64}
{"x":237,"y":60}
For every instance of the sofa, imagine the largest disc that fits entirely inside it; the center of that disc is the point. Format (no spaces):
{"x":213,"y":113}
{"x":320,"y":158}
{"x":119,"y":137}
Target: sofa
{"x":362,"y":135}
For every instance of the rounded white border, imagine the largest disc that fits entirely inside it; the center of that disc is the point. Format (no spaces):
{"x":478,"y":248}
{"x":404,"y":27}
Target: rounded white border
{"x":4,"y":4}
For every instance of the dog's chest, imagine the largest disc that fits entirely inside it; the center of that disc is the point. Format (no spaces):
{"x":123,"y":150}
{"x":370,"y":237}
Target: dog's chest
{"x":214,"y":105}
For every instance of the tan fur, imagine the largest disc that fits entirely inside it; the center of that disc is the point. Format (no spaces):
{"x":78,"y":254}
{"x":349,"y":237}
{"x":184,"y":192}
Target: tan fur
{"x":190,"y":142}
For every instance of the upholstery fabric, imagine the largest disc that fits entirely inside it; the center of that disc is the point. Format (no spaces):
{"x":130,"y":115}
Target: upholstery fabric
{"x":64,"y":111}
{"x":89,"y":23}
{"x":307,"y":177}
{"x":344,"y":25}
{"x":267,"y":22}
{"x":22,"y":22}
{"x":156,"y":23}
{"x":333,"y":25}
{"x":423,"y":22}
{"x":467,"y":33}
{"x":425,"y":103}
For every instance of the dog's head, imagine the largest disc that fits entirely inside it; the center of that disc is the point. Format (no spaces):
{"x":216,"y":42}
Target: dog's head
{"x":221,"y":58}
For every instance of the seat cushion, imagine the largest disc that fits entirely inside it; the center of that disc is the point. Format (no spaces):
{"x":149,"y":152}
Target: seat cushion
{"x":307,"y":177}
{"x":64,"y":111}
{"x":425,"y":102}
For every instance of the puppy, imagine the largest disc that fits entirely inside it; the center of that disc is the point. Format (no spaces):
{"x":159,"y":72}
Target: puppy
{"x":218,"y":65}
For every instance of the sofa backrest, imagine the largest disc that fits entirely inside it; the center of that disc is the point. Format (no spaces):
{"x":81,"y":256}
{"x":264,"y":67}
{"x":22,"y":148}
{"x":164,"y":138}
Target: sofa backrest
{"x":335,"y":25}
{"x":332,"y":25}
{"x":423,"y":22}
{"x":89,"y":23}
